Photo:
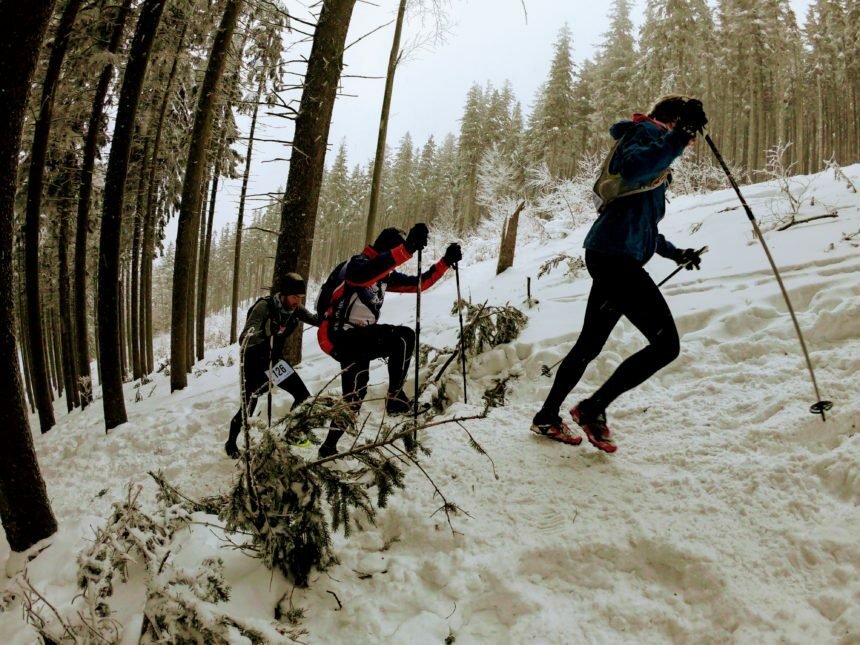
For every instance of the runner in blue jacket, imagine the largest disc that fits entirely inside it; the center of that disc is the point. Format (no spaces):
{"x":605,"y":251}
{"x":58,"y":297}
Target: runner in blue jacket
{"x":631,"y":198}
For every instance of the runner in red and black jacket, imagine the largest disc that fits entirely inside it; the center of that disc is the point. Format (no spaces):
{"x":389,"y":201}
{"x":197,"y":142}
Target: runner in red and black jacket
{"x":349,"y":331}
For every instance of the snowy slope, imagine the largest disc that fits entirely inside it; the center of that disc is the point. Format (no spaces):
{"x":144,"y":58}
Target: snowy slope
{"x":728,"y":514}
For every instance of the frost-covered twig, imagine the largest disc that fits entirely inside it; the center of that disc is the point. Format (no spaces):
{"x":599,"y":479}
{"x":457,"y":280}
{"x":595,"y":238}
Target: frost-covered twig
{"x":391,"y":439}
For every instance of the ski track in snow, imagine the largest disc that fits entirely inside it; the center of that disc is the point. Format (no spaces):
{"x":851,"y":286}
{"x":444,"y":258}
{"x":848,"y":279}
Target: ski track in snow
{"x":728,"y":514}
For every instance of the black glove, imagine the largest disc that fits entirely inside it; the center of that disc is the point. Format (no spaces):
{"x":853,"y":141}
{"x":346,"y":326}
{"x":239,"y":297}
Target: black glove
{"x":417,"y":238}
{"x":692,"y":118}
{"x":453,"y":254}
{"x":689,"y":259}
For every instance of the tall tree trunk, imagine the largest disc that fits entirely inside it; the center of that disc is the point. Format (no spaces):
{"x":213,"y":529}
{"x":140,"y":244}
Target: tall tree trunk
{"x":188,"y":211}
{"x":84,"y":199}
{"x":122,"y":295}
{"x":67,"y":326}
{"x":35,"y":178}
{"x":237,"y":253}
{"x":148,"y":252}
{"x":137,"y":234}
{"x":114,"y":195}
{"x":24,"y":350}
{"x":301,"y":198}
{"x":146,"y":287}
{"x":25,"y":511}
{"x":203,"y":271}
{"x":190,"y":297}
{"x":379,"y":160}
{"x":51,"y":348}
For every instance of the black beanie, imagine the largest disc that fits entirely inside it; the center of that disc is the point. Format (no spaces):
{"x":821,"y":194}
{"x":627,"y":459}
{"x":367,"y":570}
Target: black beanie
{"x":291,"y":284}
{"x":389,"y":238}
{"x":668,"y":108}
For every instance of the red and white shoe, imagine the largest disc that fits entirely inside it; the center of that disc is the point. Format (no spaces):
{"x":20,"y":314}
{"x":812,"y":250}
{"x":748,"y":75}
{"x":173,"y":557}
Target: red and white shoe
{"x":557,"y":431}
{"x":595,"y":429}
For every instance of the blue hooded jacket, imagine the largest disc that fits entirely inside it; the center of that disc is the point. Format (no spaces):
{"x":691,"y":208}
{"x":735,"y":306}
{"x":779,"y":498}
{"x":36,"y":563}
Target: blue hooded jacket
{"x":628,"y":225}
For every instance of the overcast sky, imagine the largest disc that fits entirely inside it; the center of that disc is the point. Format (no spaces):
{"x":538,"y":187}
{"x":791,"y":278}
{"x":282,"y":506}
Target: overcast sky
{"x":488,"y":40}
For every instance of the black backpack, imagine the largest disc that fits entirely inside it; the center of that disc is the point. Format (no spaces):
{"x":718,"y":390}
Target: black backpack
{"x":332,"y":282}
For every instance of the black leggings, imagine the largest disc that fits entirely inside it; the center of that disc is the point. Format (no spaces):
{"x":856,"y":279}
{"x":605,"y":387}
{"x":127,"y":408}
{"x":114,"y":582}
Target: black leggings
{"x":355,"y":349}
{"x":621,"y":287}
{"x":257,"y":385}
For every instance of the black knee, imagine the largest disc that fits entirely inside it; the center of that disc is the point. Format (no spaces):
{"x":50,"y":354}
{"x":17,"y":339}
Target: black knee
{"x":408,"y":337}
{"x":667,"y":346}
{"x":579,"y":357}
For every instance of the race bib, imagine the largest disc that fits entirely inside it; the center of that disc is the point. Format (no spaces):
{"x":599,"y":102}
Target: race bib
{"x":279,"y":372}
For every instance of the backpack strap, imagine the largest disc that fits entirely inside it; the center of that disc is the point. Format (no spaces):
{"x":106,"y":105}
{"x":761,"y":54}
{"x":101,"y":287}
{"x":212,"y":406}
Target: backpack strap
{"x":611,"y":186}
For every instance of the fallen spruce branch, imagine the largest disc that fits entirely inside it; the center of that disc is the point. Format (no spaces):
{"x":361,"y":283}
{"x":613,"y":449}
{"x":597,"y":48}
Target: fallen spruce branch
{"x":806,"y":220}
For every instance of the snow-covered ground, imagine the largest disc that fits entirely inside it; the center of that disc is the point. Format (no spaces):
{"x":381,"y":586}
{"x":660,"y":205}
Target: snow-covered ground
{"x":728,"y":514}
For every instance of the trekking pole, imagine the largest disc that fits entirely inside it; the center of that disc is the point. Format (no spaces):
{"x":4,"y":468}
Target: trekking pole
{"x":462,"y":338}
{"x":547,"y":371}
{"x":269,"y":402}
{"x":820,"y":406}
{"x":701,"y":251}
{"x":417,"y":339}
{"x":460,"y":348}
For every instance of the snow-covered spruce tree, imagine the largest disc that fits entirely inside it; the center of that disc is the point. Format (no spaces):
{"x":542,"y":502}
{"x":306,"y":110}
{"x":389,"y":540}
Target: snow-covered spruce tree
{"x":181,"y":604}
{"x":489,"y":325}
{"x":674,"y":43}
{"x":281,"y":502}
{"x":279,"y":499}
{"x":552,"y":126}
{"x":616,"y":66}
{"x":484,"y":327}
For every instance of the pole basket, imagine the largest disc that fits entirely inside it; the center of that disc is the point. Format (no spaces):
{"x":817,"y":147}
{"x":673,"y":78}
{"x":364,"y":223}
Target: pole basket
{"x":820,"y":408}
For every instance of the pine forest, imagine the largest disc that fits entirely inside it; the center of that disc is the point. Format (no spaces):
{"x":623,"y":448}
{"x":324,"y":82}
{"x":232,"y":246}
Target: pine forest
{"x":122,"y":118}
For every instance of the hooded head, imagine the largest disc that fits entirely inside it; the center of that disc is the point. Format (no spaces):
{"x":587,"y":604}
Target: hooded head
{"x":668,"y":108}
{"x":388,"y":239}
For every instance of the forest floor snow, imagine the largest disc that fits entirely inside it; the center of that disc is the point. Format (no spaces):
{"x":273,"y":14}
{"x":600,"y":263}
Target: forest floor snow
{"x":728,"y":514}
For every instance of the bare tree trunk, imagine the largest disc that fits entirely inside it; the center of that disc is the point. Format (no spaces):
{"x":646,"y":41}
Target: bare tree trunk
{"x":114,"y":196}
{"x":190,"y":297}
{"x":149,"y":222}
{"x":34,"y":205}
{"x":53,"y":354}
{"x":301,"y":198}
{"x":187,"y":231}
{"x":121,"y":297}
{"x":84,"y":199}
{"x":67,"y":337}
{"x":148,"y":253}
{"x":25,"y":511}
{"x":379,"y":160}
{"x":203,"y":271}
{"x":509,"y":241}
{"x":137,"y":234}
{"x":237,"y":253}
{"x":24,"y":351}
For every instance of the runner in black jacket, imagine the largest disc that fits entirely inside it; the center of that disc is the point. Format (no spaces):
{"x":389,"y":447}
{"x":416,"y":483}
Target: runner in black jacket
{"x":349,"y":332}
{"x":270,"y":321}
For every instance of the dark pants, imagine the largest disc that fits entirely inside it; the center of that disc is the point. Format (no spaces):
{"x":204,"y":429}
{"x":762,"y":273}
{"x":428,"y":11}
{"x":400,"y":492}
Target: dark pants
{"x":621,"y":287}
{"x":356,"y":347}
{"x":257,"y":385}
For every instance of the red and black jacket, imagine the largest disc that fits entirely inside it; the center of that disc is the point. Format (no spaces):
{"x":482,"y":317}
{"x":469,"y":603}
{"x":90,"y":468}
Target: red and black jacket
{"x":357,"y":300}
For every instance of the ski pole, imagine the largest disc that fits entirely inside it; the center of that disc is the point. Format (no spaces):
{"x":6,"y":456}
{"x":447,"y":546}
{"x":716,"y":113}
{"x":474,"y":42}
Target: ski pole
{"x":820,"y":406}
{"x":547,"y":371}
{"x":462,"y":338}
{"x":417,"y":339}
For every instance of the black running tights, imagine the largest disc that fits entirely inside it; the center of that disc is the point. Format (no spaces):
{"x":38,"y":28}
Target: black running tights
{"x":621,"y":287}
